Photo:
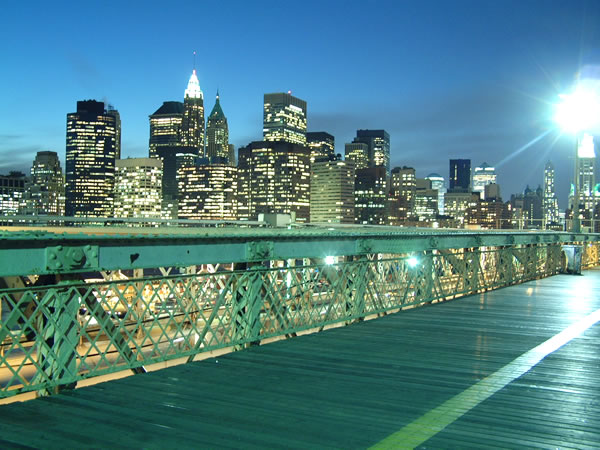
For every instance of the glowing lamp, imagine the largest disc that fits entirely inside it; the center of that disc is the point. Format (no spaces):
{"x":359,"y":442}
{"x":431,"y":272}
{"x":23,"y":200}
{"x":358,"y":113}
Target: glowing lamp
{"x":412,"y":261}
{"x":330,"y":260}
{"x":580,"y":110}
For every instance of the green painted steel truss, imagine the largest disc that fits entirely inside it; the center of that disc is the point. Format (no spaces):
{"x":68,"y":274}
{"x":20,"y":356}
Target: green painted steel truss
{"x":59,"y":328}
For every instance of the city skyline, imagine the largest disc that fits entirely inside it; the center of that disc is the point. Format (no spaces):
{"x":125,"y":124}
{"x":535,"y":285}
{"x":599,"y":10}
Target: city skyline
{"x":465,"y":80}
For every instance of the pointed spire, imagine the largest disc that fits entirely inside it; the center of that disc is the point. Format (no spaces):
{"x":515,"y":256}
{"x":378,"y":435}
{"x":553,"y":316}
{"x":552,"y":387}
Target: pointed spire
{"x":217,"y":111}
{"x":193,"y":88}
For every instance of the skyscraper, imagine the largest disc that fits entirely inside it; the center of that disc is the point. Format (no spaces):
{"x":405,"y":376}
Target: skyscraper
{"x":370,"y":198}
{"x":438,"y":183}
{"x":460,"y":175}
{"x":378,"y":142}
{"x":192,"y":126}
{"x":217,"y":133}
{"x":332,"y":191}
{"x":46,"y":190}
{"x":166,"y":142}
{"x":110,"y":110}
{"x":274,"y":177}
{"x":585,"y":167}
{"x":284,"y":118}
{"x":550,"y":202}
{"x":483,"y":175}
{"x":12,"y":193}
{"x":90,"y":161}
{"x":165,"y":127}
{"x":321,"y":144}
{"x":358,"y":153}
{"x":403,"y":185}
{"x":138,"y":188}
{"x":208,"y":191}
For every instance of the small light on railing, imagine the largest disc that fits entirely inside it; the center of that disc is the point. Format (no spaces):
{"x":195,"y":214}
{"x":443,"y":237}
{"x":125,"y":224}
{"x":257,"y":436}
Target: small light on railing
{"x":329,"y":260}
{"x":412,"y":261}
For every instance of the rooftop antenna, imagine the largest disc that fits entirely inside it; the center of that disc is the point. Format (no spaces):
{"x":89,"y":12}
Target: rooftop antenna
{"x":194,"y":60}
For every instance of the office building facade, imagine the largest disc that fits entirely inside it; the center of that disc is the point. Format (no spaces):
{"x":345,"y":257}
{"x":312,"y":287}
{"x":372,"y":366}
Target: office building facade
{"x":370,"y":196}
{"x":207,"y":191}
{"x":460,"y":175}
{"x":284,"y":118}
{"x":378,"y":144}
{"x":332,"y":191}
{"x":90,"y":160}
{"x":482,"y":176}
{"x":321,"y":145}
{"x":274,"y":177}
{"x":138,"y":188}
{"x":46,"y":189}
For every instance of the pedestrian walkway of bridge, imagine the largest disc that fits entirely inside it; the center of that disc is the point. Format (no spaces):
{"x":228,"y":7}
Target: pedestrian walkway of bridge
{"x":494,"y":370}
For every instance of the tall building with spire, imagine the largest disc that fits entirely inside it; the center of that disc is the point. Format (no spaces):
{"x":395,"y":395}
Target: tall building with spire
{"x":217,"y":134}
{"x":192,"y":127}
{"x":284,"y":118}
{"x":90,"y":160}
{"x":550,"y":202}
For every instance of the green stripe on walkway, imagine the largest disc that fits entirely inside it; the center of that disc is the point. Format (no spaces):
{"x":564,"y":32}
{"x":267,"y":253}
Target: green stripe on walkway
{"x":428,"y":425}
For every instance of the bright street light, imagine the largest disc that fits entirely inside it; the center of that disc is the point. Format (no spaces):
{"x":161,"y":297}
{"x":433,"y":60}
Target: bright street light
{"x":579,"y":111}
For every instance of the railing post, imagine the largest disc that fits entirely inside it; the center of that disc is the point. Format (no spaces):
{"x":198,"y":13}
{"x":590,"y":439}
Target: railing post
{"x":248,"y":303}
{"x":57,"y":338}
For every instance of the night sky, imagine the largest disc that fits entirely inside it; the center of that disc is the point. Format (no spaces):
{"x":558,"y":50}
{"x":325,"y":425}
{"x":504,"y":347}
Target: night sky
{"x":446,"y":79}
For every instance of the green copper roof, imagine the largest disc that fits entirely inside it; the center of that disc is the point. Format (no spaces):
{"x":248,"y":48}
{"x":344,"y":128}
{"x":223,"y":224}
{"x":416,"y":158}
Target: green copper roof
{"x":217,"y":111}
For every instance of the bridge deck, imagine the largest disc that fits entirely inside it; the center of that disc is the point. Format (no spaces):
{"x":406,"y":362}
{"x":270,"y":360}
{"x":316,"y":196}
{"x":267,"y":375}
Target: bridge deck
{"x":467,"y":373}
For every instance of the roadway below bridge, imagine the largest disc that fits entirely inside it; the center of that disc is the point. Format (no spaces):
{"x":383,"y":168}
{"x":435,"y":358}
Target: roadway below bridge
{"x":511,"y":368}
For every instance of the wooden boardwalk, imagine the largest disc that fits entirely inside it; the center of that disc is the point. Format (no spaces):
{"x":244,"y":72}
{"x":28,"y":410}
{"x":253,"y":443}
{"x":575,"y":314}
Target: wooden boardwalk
{"x":496,"y":370}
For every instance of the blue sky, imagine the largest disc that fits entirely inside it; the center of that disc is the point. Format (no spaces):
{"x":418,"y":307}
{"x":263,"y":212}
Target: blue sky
{"x":446,"y":79}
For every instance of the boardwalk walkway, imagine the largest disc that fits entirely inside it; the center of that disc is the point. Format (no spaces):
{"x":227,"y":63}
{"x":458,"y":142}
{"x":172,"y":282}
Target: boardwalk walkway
{"x":471,"y":373}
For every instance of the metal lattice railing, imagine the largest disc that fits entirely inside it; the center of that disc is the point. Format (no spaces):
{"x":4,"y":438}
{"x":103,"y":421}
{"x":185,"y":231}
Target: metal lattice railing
{"x":57,"y":329}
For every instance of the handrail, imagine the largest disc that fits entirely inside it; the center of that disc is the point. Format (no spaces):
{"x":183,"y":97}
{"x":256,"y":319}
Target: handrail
{"x":102,"y":310}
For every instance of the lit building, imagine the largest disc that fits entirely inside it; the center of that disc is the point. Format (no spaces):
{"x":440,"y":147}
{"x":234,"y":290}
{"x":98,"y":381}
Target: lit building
{"x":90,"y":160}
{"x":426,"y":201}
{"x":284,"y":118}
{"x":438,"y":183}
{"x":138,"y":188}
{"x":457,"y":203}
{"x":46,"y":190}
{"x":321,"y":144}
{"x":274,"y":177}
{"x":492,"y":192}
{"x":166,"y":142}
{"x":208,"y":191}
{"x":332,"y":191}
{"x":403,"y":184}
{"x":12,"y":193}
{"x":111,"y":111}
{"x":378,"y":143}
{"x":357,"y":153}
{"x":192,"y":125}
{"x":165,"y":127}
{"x":217,"y":134}
{"x":585,"y":166}
{"x":488,"y":214}
{"x":370,"y":199}
{"x":527,"y":208}
{"x":550,"y":202}
{"x":460,"y":175}
{"x":483,"y":175}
